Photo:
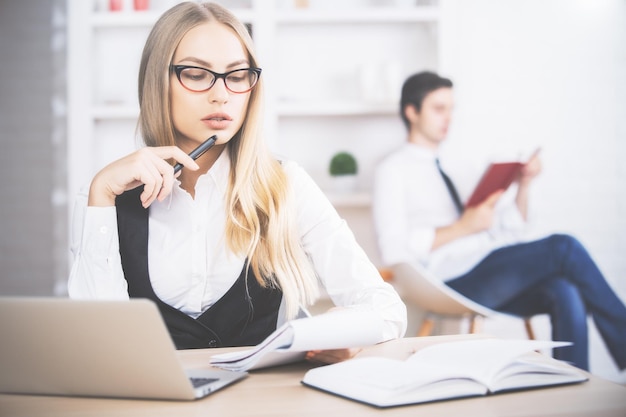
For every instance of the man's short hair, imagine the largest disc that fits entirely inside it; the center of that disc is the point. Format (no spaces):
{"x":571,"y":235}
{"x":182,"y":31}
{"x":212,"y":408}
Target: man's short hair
{"x":417,"y":87}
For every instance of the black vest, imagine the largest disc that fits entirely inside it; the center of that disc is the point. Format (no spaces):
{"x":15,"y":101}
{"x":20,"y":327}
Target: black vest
{"x":244,"y":316}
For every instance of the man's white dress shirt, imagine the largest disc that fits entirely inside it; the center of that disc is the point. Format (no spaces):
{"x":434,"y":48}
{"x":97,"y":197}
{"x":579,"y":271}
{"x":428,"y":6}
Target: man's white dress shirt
{"x":411,"y":201}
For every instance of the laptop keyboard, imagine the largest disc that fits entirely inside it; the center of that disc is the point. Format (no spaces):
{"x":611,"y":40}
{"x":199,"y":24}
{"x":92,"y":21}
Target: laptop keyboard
{"x":198,"y":382}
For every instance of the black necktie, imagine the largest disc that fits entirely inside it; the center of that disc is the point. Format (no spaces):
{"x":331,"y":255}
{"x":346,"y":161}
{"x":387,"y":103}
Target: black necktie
{"x":451,"y":189}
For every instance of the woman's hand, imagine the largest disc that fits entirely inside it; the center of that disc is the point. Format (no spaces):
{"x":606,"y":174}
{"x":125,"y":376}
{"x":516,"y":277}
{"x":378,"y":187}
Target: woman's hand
{"x":331,"y":356}
{"x":147,"y":166}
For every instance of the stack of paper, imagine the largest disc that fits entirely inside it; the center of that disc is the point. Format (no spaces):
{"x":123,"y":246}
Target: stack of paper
{"x":338,"y":329}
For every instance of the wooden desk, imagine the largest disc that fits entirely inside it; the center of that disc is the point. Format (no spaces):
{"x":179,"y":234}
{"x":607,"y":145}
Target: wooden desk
{"x":277,"y":392}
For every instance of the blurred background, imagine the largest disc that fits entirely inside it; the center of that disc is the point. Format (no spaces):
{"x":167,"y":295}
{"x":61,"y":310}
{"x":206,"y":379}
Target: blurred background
{"x":527,"y":73}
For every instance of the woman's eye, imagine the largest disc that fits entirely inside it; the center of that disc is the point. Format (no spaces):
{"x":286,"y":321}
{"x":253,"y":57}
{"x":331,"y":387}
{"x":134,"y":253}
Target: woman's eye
{"x":195,"y":74}
{"x":236,"y":78}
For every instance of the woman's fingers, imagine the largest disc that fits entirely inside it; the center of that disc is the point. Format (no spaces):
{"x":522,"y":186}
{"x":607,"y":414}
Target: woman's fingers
{"x":159,"y":174}
{"x":174,"y":152}
{"x":153,"y":172}
{"x":331,"y":356}
{"x":148,"y":166}
{"x":166,"y":187}
{"x":161,"y":179}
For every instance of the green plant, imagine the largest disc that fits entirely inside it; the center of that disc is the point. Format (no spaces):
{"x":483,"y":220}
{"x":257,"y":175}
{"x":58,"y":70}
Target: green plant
{"x":343,"y":163}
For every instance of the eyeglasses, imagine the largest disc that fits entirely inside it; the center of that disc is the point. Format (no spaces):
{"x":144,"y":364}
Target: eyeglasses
{"x":200,"y":79}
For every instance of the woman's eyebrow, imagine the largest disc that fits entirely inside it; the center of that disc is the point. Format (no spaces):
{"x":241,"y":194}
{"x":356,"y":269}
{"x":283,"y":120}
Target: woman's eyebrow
{"x":204,"y":63}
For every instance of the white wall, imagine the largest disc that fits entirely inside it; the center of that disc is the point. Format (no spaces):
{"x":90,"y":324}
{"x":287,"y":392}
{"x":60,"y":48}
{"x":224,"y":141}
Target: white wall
{"x":549,"y":73}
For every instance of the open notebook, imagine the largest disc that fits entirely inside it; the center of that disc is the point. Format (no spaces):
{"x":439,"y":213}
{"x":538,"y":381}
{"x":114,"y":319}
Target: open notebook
{"x":57,"y":346}
{"x":446,"y":371}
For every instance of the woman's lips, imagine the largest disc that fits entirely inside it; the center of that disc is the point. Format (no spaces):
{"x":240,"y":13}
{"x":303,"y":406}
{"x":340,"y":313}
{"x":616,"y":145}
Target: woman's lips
{"x":217,"y":121}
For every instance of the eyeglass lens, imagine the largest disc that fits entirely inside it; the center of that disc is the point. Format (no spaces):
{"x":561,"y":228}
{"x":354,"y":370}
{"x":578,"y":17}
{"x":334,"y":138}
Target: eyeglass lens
{"x":199,"y":79}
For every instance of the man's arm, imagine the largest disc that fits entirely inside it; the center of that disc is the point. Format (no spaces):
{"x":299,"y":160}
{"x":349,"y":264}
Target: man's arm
{"x":474,"y":219}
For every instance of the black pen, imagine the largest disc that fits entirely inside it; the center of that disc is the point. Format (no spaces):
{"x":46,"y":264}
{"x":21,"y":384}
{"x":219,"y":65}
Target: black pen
{"x":196,"y":153}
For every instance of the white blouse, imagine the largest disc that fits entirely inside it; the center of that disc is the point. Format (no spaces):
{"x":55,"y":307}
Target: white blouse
{"x":190,"y":264}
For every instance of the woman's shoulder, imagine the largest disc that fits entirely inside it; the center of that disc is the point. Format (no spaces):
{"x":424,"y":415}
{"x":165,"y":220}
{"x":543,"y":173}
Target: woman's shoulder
{"x":297,"y":176}
{"x":291,"y":167}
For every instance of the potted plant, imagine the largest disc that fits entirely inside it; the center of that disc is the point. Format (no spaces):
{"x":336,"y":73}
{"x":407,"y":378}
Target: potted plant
{"x":343,"y":169}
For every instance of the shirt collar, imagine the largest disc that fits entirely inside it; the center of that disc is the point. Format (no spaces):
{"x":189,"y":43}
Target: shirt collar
{"x":421,"y":151}
{"x":218,"y":175}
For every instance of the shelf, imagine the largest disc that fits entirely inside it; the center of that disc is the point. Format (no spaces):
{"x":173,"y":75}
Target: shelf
{"x":124,"y":19}
{"x":313,"y":109}
{"x":145,"y":18}
{"x":367,"y":15}
{"x":371,"y":15}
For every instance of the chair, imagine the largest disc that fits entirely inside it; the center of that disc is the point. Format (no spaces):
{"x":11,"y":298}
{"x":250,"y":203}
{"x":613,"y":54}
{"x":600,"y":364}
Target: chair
{"x":417,"y":285}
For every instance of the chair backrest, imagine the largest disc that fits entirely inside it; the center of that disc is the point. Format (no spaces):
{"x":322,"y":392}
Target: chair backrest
{"x":416,"y":284}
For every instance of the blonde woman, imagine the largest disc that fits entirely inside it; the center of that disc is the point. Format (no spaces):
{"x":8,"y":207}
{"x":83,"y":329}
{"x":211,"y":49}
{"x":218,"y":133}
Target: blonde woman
{"x":237,"y":242}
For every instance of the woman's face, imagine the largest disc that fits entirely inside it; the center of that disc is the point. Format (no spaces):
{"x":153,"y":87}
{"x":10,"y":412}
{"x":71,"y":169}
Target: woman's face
{"x":218,"y":111}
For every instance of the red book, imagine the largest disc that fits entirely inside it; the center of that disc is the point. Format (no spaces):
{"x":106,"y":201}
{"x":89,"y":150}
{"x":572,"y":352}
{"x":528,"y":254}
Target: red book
{"x":498,"y":176}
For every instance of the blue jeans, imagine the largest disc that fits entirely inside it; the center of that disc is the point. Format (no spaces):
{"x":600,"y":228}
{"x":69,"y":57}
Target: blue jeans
{"x":554,"y":276}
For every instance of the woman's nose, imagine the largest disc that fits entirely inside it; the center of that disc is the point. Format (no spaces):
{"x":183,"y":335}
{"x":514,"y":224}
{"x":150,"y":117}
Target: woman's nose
{"x":219,"y":92}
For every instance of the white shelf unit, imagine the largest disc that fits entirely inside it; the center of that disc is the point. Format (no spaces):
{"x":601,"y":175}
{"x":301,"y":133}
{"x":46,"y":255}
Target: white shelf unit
{"x":335,"y":78}
{"x":332,"y":75}
{"x":364,"y":14}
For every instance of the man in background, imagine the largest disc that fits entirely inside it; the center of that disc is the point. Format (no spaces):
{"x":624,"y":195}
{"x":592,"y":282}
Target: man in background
{"x":479,"y":251}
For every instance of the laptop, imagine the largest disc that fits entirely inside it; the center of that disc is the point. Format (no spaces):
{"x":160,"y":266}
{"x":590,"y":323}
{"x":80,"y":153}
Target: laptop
{"x":58,"y":346}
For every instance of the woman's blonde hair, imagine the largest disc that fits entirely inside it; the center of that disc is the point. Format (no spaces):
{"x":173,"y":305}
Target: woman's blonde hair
{"x":260,"y":219}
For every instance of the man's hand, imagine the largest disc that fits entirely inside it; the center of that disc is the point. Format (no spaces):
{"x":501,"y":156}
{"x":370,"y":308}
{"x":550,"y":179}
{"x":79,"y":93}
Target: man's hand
{"x":480,"y":217}
{"x":530,"y":170}
{"x":474,"y":220}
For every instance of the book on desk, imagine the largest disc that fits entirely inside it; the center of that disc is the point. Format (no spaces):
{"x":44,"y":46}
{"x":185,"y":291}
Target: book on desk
{"x":445,"y":371}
